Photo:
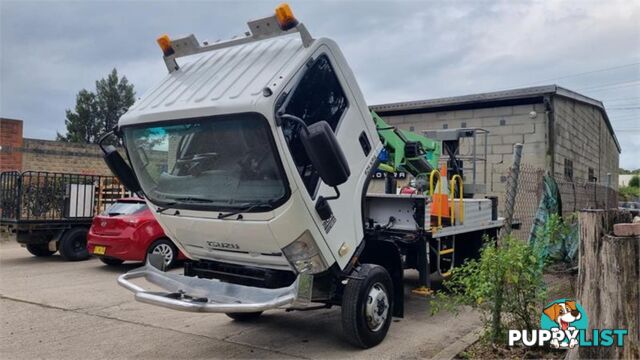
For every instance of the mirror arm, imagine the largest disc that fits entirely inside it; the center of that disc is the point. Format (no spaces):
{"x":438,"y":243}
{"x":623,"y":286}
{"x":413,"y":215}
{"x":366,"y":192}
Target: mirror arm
{"x":102,"y":139}
{"x":337,"y":196}
{"x":115,"y":131}
{"x":293,"y":118}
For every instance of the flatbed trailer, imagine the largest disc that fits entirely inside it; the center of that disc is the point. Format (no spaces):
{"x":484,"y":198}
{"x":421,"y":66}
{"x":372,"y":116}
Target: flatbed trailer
{"x":52,"y":211}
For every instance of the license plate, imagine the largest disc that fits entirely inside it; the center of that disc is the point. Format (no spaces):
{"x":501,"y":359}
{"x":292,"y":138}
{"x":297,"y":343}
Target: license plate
{"x":99,"y":250}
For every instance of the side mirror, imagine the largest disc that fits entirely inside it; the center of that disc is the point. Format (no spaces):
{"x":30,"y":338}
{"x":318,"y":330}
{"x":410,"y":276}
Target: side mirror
{"x":120,"y":168}
{"x":325,"y":153}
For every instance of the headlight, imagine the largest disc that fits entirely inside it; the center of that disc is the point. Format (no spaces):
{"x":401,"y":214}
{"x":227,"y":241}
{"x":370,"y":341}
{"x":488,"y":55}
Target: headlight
{"x":304,"y":255}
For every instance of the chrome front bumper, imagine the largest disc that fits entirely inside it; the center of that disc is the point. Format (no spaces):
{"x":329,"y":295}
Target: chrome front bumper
{"x":203,"y":295}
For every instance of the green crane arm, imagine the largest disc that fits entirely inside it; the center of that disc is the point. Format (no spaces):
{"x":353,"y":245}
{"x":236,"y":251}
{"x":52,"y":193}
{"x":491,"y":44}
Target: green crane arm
{"x":405,"y":150}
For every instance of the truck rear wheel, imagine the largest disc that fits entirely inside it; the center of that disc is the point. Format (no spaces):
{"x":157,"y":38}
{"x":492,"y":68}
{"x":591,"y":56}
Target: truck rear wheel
{"x":39,"y":250}
{"x":250,"y":316}
{"x":367,"y":303}
{"x":73,"y":244}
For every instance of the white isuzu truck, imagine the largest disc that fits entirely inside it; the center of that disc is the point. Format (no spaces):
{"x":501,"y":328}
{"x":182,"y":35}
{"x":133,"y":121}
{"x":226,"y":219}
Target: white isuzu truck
{"x":256,"y":158}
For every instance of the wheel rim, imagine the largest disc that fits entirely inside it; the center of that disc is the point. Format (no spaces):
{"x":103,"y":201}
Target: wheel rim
{"x":166,"y":252}
{"x":377,"y":307}
{"x":79,"y":243}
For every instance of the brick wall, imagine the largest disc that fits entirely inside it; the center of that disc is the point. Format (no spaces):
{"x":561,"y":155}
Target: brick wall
{"x":23,"y":154}
{"x":10,"y":144}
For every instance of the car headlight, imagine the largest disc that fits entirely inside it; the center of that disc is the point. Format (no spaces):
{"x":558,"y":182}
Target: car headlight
{"x":304,"y":255}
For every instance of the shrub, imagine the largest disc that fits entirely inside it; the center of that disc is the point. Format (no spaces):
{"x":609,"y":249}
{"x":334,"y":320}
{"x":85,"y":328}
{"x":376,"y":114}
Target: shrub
{"x":628,"y":193}
{"x":560,"y":238}
{"x":505,"y":284}
{"x":635,"y":181}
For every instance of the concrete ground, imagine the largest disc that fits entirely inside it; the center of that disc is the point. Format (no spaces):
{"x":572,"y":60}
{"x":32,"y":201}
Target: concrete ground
{"x":50,"y":308}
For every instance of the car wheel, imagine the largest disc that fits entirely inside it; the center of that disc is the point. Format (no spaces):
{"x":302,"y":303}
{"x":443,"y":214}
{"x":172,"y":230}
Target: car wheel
{"x":73,"y":244}
{"x":166,"y":249}
{"x":242,"y":317}
{"x":111,"y":261}
{"x":367,"y":304}
{"x":39,"y":250}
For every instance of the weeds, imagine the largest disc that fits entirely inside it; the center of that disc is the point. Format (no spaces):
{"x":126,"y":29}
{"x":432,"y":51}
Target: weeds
{"x":510,"y":274}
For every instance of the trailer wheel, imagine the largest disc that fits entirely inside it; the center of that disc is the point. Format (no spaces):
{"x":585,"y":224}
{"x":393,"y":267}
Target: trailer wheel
{"x":39,"y":250}
{"x":367,"y":303}
{"x":244,"y":317}
{"x":73,"y":244}
{"x":111,"y":261}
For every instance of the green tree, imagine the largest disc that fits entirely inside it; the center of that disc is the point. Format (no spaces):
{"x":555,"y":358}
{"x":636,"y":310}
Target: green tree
{"x":82,"y":125}
{"x":96,"y":113}
{"x":635,"y":181}
{"x":114,"y":97}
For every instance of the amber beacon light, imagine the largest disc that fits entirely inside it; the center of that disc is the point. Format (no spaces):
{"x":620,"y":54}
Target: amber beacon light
{"x":285,"y":17}
{"x":165,"y":45}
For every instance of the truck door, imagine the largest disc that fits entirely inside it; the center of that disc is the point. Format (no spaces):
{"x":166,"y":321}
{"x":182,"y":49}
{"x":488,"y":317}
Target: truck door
{"x":320,"y":93}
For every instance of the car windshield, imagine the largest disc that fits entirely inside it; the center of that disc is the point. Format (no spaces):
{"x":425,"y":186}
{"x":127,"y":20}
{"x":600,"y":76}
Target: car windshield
{"x":221,"y":162}
{"x":124,"y":208}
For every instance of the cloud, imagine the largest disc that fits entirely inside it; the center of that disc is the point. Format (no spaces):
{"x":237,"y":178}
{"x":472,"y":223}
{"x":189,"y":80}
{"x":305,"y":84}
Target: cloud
{"x":400,"y":50}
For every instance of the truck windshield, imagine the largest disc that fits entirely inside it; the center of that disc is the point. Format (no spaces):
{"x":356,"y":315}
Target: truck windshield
{"x":220,"y":162}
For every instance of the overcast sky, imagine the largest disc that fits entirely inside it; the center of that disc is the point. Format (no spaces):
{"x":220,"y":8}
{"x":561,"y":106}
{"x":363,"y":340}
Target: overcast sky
{"x":402,"y":50}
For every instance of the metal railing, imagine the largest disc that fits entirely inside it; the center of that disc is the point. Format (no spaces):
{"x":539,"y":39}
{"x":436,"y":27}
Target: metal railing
{"x":34,"y":196}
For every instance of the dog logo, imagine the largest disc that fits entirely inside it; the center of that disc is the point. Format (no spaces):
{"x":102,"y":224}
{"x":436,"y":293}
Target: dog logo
{"x":563,"y":325}
{"x":564,"y":318}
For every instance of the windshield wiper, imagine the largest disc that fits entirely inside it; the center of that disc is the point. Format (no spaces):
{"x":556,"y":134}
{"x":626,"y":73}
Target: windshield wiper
{"x":246,"y":208}
{"x":192,"y":199}
{"x":175,"y":200}
{"x":167,"y":206}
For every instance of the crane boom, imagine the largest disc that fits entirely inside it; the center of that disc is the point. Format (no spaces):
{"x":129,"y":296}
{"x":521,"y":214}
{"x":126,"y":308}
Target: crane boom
{"x":405,"y":150}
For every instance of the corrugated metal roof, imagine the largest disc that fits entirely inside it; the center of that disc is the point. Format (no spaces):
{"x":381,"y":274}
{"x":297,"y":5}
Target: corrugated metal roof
{"x":233,"y":74}
{"x":490,"y":99}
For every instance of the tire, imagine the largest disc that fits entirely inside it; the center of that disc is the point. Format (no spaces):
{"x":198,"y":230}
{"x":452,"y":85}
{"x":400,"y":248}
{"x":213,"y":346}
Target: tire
{"x":366,"y":325}
{"x":73,"y":244}
{"x":111,"y":261}
{"x":165,"y":248}
{"x":40,"y":250}
{"x":245,"y":317}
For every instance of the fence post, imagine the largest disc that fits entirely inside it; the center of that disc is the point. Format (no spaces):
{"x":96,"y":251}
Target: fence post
{"x":606,"y":192}
{"x":512,"y":189}
{"x":510,"y":203}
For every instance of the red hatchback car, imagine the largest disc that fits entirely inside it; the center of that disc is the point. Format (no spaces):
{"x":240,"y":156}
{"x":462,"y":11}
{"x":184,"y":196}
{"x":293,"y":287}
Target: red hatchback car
{"x":127,"y":231}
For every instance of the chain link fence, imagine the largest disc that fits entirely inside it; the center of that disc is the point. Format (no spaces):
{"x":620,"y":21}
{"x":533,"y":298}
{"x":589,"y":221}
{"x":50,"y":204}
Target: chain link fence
{"x":575,"y":194}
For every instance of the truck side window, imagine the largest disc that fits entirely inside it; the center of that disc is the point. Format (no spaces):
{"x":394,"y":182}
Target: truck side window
{"x":318,"y":96}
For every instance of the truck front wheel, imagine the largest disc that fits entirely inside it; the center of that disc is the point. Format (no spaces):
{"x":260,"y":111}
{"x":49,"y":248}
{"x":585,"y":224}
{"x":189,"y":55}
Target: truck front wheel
{"x":40,"y":250}
{"x":367,"y":303}
{"x":73,"y":244}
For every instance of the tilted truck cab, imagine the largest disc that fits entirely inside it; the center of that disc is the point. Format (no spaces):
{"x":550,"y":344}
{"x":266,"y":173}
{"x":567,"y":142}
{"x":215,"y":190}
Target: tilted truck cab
{"x":256,"y":157}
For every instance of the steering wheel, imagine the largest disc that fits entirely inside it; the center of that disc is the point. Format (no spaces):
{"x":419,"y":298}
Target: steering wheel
{"x":197,"y":157}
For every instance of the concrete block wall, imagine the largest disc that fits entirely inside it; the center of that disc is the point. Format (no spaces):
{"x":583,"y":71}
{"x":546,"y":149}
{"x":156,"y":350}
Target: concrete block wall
{"x":56,"y":156}
{"x":507,"y":125}
{"x":582,"y":136}
{"x":10,"y":144}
